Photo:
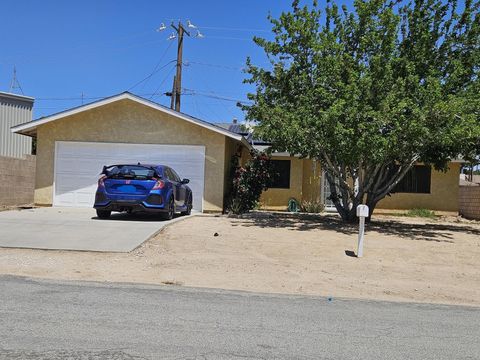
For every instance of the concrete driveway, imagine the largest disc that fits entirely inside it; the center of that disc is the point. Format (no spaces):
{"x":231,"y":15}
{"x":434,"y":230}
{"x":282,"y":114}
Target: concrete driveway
{"x":76,"y":229}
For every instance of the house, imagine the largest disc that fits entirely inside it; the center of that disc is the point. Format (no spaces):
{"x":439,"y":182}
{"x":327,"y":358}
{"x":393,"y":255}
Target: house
{"x":304,"y":180}
{"x":14,"y":109}
{"x":73,"y":146}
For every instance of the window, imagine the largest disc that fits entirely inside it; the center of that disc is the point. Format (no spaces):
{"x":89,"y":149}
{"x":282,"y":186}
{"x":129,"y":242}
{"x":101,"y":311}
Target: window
{"x":175,"y":175}
{"x":281,"y":178}
{"x":171,"y":175}
{"x":416,"y":180}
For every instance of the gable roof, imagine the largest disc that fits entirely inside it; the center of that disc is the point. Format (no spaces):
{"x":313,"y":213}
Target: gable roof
{"x":30,"y":127}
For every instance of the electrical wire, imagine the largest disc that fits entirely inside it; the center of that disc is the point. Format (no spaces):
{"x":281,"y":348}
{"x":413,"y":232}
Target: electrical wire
{"x":215,"y":96}
{"x":226,"y":67}
{"x":155,"y":69}
{"x":155,"y":93}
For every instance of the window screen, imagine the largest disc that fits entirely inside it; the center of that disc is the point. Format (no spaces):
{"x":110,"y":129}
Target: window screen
{"x":416,"y":180}
{"x":281,"y":171}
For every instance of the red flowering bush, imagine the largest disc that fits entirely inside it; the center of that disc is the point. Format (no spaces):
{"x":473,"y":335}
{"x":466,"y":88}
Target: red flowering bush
{"x":249,"y":182}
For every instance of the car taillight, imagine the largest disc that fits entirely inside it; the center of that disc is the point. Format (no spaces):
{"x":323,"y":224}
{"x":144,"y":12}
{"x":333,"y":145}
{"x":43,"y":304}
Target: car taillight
{"x":100,"y":181}
{"x":158,"y":185}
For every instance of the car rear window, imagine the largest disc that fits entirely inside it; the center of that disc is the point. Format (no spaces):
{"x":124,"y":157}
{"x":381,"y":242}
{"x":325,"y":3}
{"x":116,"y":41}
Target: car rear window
{"x":129,"y":172}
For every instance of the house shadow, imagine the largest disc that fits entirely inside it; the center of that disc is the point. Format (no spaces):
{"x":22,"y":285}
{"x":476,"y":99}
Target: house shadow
{"x":437,"y":232}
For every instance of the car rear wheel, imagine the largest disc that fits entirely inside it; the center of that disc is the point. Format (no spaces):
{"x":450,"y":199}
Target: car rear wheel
{"x":188,"y":211}
{"x":103,"y":214}
{"x":171,"y":210}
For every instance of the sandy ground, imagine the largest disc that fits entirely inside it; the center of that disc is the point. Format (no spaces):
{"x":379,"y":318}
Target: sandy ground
{"x":404,"y":259}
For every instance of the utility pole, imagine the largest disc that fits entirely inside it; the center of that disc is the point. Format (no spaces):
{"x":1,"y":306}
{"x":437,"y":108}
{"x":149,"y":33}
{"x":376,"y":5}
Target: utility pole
{"x":177,"y":80}
{"x":179,"y":33}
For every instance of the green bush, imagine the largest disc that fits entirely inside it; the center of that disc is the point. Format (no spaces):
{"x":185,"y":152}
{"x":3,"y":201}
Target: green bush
{"x":313,"y":206}
{"x":421,"y":213}
{"x":249,"y":181}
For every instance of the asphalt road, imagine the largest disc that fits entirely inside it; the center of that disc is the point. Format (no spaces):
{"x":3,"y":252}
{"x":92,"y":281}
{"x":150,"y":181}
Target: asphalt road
{"x":73,"y":320}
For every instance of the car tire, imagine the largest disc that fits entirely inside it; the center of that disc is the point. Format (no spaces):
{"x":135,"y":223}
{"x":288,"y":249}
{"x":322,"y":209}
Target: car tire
{"x":189,"y":206}
{"x":103,"y":214}
{"x":168,"y":215}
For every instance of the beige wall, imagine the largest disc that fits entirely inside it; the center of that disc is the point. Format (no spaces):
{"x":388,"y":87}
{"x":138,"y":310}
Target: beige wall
{"x":443,"y":193}
{"x":305,"y":185}
{"x":278,"y":198}
{"x":469,"y":202}
{"x":17,"y":180}
{"x":312,"y":176}
{"x":126,"y":121}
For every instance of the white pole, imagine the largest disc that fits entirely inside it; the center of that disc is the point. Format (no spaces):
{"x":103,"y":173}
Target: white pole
{"x":360,"y":237}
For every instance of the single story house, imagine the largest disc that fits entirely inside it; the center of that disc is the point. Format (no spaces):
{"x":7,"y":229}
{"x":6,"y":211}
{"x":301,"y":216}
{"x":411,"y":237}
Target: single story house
{"x":304,"y":180}
{"x":73,"y":146}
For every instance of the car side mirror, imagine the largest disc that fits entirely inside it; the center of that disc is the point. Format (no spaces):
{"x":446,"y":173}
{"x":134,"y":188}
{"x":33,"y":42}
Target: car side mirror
{"x":185,"y":181}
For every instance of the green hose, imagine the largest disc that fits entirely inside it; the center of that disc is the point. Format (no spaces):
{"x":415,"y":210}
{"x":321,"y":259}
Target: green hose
{"x":293,"y":205}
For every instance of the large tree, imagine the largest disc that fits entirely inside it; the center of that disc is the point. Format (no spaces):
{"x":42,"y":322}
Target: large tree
{"x":370,"y":91}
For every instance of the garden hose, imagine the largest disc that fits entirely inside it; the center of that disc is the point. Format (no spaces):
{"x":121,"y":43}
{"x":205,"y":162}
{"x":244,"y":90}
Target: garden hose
{"x":293,"y":205}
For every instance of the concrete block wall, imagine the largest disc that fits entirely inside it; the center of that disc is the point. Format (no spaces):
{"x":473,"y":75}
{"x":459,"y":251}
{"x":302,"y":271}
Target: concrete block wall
{"x":469,"y":202}
{"x":17,"y":180}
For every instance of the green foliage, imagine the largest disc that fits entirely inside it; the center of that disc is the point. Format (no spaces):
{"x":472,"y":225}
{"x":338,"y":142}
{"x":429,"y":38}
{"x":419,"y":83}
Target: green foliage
{"x":370,"y":92}
{"x":425,"y":213}
{"x":313,"y":206}
{"x":249,"y":181}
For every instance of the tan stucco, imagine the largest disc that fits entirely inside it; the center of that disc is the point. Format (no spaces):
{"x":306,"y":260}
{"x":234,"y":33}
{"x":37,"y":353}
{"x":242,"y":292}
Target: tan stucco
{"x":126,"y":121}
{"x":277,"y":199}
{"x":305,"y":185}
{"x":443,"y":193}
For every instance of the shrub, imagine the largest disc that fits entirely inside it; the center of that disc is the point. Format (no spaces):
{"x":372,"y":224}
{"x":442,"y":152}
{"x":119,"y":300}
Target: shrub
{"x":421,"y":213}
{"x":249,"y":181}
{"x":314,"y":207}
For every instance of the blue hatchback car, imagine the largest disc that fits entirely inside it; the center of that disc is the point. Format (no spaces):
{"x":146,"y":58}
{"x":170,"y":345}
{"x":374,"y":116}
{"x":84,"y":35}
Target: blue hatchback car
{"x":142,"y":188}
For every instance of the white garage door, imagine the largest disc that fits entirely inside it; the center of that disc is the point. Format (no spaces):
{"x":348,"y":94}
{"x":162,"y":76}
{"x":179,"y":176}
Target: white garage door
{"x":78,"y":165}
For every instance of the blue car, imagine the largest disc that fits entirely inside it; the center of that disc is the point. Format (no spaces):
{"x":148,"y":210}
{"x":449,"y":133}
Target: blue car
{"x":142,"y":188}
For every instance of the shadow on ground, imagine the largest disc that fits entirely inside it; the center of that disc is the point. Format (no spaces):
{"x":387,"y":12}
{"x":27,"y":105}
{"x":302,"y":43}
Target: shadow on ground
{"x":440,"y":232}
{"x":146,"y":217}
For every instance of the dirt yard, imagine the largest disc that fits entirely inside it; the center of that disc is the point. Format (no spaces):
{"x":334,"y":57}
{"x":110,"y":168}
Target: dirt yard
{"x":405,"y":259}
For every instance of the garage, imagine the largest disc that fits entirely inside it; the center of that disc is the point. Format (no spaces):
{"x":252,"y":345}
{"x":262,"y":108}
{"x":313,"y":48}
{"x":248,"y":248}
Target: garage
{"x":73,"y":145}
{"x":78,"y":164}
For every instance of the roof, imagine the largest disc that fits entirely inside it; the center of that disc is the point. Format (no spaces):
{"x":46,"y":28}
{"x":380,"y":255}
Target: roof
{"x":30,"y":127}
{"x":16,"y":97}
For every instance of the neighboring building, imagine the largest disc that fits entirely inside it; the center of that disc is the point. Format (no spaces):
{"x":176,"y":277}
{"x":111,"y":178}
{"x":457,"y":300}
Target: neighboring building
{"x":14,"y":109}
{"x":72,"y":147}
{"x":469,"y":180}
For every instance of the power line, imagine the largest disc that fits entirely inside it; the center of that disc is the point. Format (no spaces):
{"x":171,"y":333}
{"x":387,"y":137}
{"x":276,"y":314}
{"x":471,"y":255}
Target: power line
{"x":234,"y":29}
{"x":161,"y":83}
{"x":216,"y":96}
{"x":155,"y":69}
{"x":226,"y":67}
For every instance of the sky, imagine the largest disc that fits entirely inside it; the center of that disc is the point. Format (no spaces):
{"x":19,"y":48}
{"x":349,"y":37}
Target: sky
{"x":98,"y":48}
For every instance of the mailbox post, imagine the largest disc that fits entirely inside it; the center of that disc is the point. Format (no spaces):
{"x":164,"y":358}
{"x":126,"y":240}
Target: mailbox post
{"x":362,"y":213}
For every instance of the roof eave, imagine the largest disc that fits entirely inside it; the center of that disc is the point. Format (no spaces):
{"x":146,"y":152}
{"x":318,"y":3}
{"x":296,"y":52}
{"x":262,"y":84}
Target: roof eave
{"x":26,"y":128}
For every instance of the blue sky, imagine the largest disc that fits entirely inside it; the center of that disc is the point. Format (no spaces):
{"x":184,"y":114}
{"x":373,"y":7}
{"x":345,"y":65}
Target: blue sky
{"x":62,"y":49}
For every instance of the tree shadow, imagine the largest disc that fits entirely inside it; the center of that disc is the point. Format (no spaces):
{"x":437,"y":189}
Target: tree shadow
{"x":441,"y":232}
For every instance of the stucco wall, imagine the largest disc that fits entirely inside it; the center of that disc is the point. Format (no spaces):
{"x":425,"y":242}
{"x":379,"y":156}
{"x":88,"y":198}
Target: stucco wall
{"x":126,"y":121}
{"x":17,"y":179}
{"x":305,"y":185}
{"x":312,"y":176}
{"x":278,"y":198}
{"x":443,"y":193}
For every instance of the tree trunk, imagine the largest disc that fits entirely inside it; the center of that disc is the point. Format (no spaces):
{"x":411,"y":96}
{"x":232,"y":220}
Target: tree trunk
{"x":377,"y":184}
